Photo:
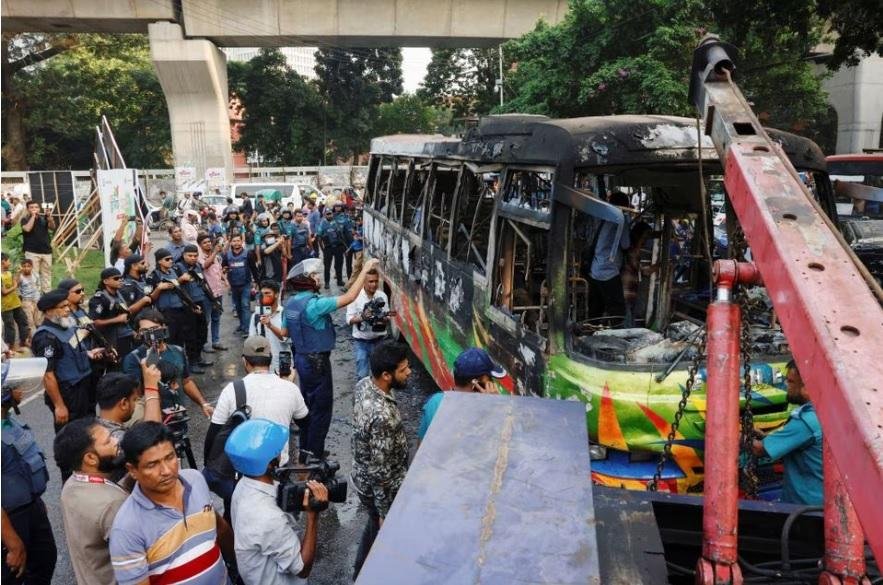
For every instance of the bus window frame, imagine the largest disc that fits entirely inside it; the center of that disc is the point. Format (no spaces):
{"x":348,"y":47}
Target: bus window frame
{"x":429,"y":199}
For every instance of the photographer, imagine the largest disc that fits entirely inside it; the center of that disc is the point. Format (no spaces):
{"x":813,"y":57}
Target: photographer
{"x":268,"y":321}
{"x":268,"y":550}
{"x":267,"y":395}
{"x":210,"y":261}
{"x":152,"y":329}
{"x":36,"y":244}
{"x":120,"y":250}
{"x":272,"y":248}
{"x":119,"y":400}
{"x":368,"y":326}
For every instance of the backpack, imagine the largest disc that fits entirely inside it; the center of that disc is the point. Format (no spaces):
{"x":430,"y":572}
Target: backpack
{"x":217,"y":459}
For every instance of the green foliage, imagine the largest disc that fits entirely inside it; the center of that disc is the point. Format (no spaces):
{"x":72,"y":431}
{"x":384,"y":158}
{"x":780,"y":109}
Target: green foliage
{"x":858,"y":25}
{"x":409,"y":114}
{"x":463,"y":80}
{"x":354,"y":82}
{"x":634,"y":56}
{"x":281,"y":112}
{"x":66,"y":96}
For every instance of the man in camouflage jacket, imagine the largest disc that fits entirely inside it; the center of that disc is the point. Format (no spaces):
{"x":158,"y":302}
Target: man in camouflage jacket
{"x":380,"y":448}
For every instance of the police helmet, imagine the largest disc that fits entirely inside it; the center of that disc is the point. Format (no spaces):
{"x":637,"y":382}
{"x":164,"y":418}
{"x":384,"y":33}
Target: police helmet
{"x":305,"y":267}
{"x":253,"y":444}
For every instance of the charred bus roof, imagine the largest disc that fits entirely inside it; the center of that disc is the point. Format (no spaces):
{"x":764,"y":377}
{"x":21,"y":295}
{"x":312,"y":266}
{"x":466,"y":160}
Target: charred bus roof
{"x":597,"y":141}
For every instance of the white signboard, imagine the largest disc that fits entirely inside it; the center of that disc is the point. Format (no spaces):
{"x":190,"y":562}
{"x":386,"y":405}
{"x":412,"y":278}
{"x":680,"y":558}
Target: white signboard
{"x":116,"y":191}
{"x":184,"y":176}
{"x":215,"y":177}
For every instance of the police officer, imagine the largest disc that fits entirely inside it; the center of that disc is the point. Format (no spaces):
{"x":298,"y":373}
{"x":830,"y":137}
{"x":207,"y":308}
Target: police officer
{"x":135,"y":290}
{"x":173,"y":302}
{"x":68,"y":377}
{"x":300,"y":236}
{"x":28,"y":545}
{"x":196,"y":330}
{"x":333,"y":241}
{"x":311,"y":329}
{"x":76,"y":295}
{"x":110,"y":312}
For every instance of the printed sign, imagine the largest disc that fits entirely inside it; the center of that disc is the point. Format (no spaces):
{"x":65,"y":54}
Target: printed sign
{"x":116,"y":190}
{"x":215,"y":177}
{"x":184,"y":176}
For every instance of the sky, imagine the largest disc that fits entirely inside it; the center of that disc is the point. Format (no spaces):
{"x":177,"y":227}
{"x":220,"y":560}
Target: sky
{"x":414,"y":62}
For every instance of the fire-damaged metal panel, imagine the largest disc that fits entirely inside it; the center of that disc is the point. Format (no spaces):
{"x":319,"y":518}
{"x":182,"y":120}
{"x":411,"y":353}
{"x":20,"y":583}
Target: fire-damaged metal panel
{"x":499,"y":492}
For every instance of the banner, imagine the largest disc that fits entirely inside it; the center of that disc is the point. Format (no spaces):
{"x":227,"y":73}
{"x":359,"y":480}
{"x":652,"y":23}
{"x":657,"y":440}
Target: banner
{"x":215,"y":177}
{"x":184,"y":176}
{"x":117,"y":193}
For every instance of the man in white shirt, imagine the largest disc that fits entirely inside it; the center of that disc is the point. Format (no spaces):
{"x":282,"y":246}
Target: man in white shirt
{"x":266,"y":394}
{"x":366,"y":334}
{"x":268,"y":321}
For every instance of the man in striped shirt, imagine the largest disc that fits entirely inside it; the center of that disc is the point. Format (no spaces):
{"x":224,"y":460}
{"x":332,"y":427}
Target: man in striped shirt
{"x":167,"y":532}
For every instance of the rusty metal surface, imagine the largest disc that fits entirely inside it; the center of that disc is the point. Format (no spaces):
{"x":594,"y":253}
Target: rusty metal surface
{"x":844,"y":539}
{"x":498,"y":493}
{"x":719,"y":522}
{"x":832,"y":320}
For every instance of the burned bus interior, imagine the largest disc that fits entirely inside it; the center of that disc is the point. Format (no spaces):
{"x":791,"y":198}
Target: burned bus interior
{"x":487,"y":202}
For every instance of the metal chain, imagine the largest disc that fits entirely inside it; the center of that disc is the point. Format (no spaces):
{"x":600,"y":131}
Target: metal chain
{"x":692,"y":370}
{"x":748,"y":480}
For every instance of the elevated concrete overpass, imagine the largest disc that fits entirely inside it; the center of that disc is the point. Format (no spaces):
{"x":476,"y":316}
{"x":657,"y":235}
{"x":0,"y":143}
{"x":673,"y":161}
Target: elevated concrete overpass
{"x":185,"y":36}
{"x":274,"y":23}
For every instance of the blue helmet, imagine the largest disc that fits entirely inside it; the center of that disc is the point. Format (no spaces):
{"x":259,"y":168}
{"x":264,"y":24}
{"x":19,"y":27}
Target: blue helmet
{"x":253,"y":444}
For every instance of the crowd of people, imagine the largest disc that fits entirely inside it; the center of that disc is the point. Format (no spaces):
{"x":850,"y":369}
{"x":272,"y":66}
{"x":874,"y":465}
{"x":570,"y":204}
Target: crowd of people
{"x":120,"y":363}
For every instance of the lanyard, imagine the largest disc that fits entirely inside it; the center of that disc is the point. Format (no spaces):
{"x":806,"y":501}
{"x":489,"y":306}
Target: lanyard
{"x":86,"y":478}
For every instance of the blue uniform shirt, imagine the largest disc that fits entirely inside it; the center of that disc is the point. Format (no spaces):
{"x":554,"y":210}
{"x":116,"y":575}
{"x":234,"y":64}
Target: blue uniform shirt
{"x":429,"y":410}
{"x":799,"y":445}
{"x":317,"y":309}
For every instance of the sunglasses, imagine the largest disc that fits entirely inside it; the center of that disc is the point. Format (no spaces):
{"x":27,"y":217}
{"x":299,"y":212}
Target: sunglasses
{"x":77,"y":291}
{"x":116,"y":277}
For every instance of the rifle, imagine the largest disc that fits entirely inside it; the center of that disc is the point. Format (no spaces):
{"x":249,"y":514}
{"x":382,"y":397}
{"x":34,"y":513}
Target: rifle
{"x":206,"y":289}
{"x":182,"y":294}
{"x":111,"y":355}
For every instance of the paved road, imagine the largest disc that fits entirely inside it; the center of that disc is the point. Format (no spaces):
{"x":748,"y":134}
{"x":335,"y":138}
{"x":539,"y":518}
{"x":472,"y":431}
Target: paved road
{"x":340,"y":527}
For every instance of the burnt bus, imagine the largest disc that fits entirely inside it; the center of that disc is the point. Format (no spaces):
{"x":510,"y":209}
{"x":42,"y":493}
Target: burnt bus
{"x":484,"y":242}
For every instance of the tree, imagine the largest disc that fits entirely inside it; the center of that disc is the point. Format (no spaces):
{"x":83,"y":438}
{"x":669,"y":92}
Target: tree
{"x":408,"y":114}
{"x":859,"y":28}
{"x":625,"y":56}
{"x":282,"y":112}
{"x":463,"y":80}
{"x":66,"y":96}
{"x":20,"y":52}
{"x":354,"y":82}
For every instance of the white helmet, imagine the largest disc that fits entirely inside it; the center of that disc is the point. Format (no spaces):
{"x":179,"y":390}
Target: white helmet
{"x":305,"y":267}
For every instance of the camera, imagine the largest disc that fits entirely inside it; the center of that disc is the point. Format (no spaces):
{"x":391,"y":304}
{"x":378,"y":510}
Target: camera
{"x":290,"y":494}
{"x":155,"y":335}
{"x":374,"y":315}
{"x":176,"y":420}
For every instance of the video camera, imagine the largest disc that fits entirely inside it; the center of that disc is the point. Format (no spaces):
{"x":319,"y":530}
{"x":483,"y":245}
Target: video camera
{"x":290,"y":494}
{"x":176,"y":419}
{"x":155,"y":335}
{"x":374,"y":315}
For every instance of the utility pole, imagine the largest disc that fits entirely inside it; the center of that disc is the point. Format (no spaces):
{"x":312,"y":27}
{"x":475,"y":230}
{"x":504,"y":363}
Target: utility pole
{"x":500,"y":80}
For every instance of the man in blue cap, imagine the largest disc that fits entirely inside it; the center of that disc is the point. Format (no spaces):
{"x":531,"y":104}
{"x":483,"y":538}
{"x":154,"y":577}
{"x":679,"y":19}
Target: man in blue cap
{"x":268,"y":550}
{"x":474,"y":371}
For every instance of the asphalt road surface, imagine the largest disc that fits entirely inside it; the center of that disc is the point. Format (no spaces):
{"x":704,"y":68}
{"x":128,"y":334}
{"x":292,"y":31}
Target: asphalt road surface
{"x":341,"y":525}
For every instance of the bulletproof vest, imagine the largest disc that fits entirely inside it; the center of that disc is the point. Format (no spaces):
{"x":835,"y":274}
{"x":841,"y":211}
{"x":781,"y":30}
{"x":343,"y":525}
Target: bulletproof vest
{"x":73,"y":363}
{"x":119,"y":330}
{"x":168,"y":299}
{"x":300,"y":234}
{"x":193,"y":288}
{"x":24,"y":468}
{"x":304,"y":337}
{"x":333,"y":235}
{"x":237,"y":272}
{"x":83,"y":321}
{"x":135,"y":289}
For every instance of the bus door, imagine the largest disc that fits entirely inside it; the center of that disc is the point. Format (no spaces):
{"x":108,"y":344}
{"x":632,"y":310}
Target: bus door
{"x":518,"y":311}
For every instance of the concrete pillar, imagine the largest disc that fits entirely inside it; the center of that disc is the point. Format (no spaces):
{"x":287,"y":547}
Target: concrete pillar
{"x":857,"y":95}
{"x":193,"y":76}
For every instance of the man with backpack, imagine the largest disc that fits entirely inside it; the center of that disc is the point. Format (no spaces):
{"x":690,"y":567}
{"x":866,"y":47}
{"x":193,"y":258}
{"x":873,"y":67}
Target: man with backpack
{"x":260,"y":394}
